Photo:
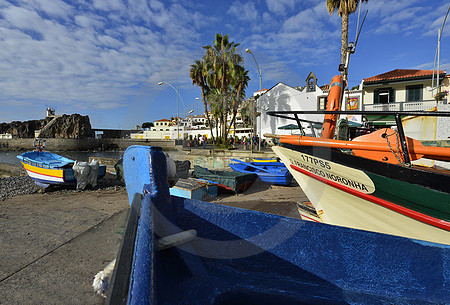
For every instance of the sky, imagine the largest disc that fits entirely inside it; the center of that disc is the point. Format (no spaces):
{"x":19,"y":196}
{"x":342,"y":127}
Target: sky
{"x":105,"y":58}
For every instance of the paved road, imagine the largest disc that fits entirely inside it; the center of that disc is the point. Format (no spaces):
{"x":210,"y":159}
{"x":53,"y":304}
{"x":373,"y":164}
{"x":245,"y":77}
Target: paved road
{"x":51,"y":246}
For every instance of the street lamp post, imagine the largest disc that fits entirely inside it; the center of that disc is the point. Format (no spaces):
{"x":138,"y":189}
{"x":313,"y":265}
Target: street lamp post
{"x":260,"y":88}
{"x":178,"y":107}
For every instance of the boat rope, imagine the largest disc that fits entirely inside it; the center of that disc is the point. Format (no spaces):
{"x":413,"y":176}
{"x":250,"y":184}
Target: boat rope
{"x":398,"y":157}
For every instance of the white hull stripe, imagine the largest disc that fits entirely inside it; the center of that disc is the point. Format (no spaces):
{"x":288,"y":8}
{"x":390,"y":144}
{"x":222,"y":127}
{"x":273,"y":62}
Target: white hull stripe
{"x":42,"y":177}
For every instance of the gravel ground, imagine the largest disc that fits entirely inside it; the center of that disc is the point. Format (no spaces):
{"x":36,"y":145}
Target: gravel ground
{"x":17,"y":185}
{"x":24,"y":185}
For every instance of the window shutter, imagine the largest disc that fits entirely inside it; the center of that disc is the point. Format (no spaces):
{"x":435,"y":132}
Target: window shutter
{"x":392,"y":95}
{"x":376,"y":99}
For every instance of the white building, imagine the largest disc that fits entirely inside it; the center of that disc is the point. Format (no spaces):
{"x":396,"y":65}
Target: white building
{"x":5,"y":136}
{"x":283,"y":97}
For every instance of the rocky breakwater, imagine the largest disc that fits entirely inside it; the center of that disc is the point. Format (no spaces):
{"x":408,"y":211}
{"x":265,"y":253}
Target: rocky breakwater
{"x":21,"y":129}
{"x":64,"y":132}
{"x":73,"y":126}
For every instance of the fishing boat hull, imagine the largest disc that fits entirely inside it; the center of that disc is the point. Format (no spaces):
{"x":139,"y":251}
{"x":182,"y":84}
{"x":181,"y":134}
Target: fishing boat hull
{"x":182,"y":251}
{"x":48,"y":169}
{"x":45,"y":177}
{"x":277,"y":173}
{"x":364,"y":194}
{"x":226,"y":181}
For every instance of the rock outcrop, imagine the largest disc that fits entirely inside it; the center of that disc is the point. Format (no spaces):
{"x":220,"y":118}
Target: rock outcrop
{"x":74,"y":126}
{"x":21,"y":129}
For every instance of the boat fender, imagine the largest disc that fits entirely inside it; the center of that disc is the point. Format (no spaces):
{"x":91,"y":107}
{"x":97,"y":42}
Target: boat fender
{"x":334,"y":103}
{"x":93,"y":174}
{"x":81,"y":171}
{"x":172,"y":177}
{"x":176,"y":239}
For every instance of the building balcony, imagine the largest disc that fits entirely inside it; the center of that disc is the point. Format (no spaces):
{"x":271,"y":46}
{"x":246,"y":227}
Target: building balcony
{"x":402,"y":106}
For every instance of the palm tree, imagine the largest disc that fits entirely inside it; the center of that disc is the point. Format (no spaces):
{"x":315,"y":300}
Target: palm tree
{"x":239,"y":83}
{"x":223,"y":59}
{"x":344,"y":9}
{"x":198,"y":75}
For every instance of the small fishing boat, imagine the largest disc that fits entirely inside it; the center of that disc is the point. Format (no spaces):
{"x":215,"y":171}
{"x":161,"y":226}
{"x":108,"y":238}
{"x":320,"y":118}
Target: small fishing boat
{"x":194,"y":189}
{"x":263,"y":160}
{"x":182,"y":251}
{"x":46,"y":168}
{"x":227,"y":181}
{"x":370,"y":182}
{"x":270,"y":172}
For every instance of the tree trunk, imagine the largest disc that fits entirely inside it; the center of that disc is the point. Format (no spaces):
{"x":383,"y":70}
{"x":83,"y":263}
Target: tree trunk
{"x":344,"y":38}
{"x":207,"y":113}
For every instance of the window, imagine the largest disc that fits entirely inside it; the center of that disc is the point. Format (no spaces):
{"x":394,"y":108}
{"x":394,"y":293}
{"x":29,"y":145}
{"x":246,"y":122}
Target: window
{"x":384,"y":96}
{"x":414,"y":93}
{"x":322,"y":103}
{"x":311,"y":84}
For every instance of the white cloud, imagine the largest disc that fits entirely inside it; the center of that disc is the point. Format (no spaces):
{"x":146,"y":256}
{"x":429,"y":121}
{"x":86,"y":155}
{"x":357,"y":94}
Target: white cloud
{"x":244,"y":12}
{"x":54,"y":8}
{"x":279,"y":6}
{"x":109,"y":5}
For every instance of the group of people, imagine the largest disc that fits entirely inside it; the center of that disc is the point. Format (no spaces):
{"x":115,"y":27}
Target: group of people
{"x":246,"y":141}
{"x":198,"y":141}
{"x":201,"y":141}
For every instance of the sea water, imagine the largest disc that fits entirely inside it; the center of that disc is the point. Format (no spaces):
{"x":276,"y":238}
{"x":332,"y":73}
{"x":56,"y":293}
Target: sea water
{"x":11,"y":156}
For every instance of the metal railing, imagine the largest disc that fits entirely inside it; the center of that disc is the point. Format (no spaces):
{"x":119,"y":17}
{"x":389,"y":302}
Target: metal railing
{"x":402,"y":106}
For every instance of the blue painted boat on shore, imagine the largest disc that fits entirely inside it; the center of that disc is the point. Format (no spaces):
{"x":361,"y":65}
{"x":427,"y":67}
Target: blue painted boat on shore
{"x":183,"y":251}
{"x":46,"y":168}
{"x":269,"y":172}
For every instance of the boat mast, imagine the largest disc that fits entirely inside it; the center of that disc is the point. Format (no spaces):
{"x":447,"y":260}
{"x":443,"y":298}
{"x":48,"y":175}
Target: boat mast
{"x":337,"y":89}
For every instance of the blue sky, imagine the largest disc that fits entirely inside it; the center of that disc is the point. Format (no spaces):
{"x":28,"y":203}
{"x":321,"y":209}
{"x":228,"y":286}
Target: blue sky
{"x":104,"y":58}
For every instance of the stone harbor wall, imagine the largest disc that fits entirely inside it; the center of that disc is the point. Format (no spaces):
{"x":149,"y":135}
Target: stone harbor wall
{"x":52,"y":144}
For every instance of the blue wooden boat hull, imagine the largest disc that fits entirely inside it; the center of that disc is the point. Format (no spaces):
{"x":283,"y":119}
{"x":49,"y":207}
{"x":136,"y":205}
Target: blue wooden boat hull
{"x":247,"y":257}
{"x":278,"y":175}
{"x":46,"y":168}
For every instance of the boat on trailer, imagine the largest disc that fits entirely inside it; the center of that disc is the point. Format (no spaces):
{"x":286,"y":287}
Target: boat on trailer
{"x":269,"y":172}
{"x":46,"y":168}
{"x":182,"y":251}
{"x":369,"y":182}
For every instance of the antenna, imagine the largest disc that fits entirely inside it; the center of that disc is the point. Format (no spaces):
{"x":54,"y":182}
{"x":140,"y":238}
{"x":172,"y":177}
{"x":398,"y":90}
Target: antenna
{"x":357,"y":23}
{"x":438,"y":51}
{"x":362,"y":23}
{"x":350,"y":50}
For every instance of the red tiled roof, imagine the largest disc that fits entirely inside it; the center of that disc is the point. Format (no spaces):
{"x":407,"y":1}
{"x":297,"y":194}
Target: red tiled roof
{"x":163,"y":120}
{"x":400,"y":74}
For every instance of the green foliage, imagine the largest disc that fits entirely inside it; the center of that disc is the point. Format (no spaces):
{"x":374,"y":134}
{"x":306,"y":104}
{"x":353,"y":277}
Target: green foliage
{"x":147,"y":125}
{"x":223,"y":79}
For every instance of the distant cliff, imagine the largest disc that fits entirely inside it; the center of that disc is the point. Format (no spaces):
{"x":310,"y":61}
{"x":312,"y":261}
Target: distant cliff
{"x":72,"y":126}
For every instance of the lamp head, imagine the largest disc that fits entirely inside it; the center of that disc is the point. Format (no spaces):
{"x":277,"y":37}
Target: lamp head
{"x":248,"y":51}
{"x":160,"y":83}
